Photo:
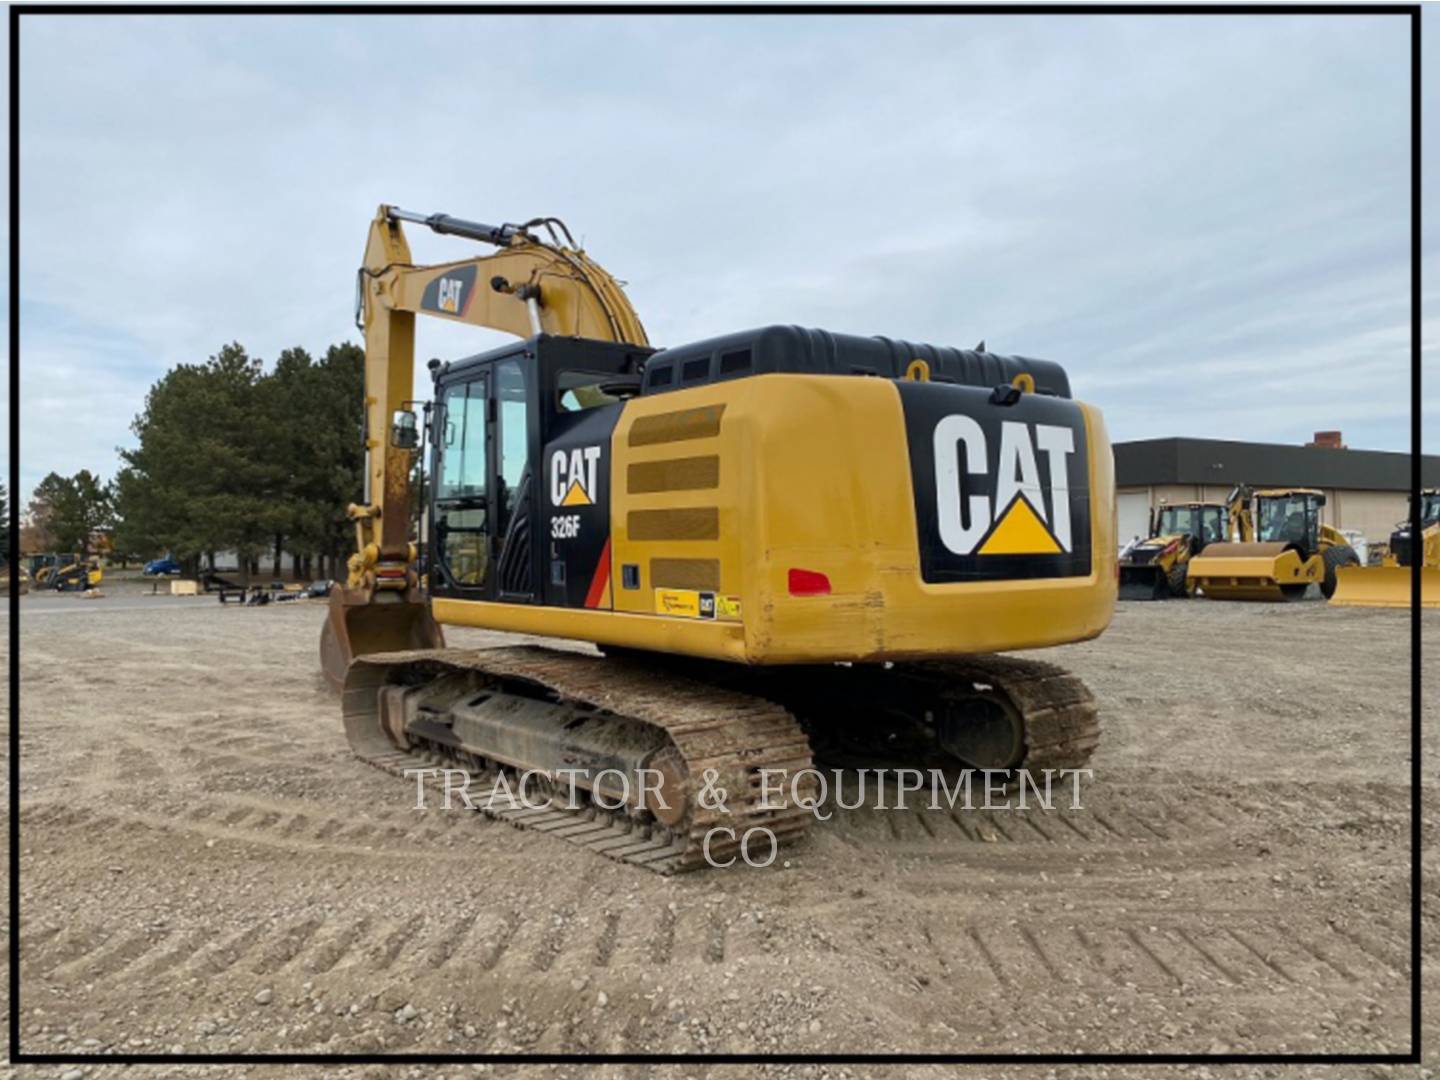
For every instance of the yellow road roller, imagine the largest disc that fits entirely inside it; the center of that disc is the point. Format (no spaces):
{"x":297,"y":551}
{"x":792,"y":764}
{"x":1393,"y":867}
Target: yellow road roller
{"x":1283,"y":549}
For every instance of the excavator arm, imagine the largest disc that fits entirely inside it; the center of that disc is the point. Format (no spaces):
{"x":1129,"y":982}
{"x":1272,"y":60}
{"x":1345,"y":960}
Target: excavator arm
{"x":529,"y":286}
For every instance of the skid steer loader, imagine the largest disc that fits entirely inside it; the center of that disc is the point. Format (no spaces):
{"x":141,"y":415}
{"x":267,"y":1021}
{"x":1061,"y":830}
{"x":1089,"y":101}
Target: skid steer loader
{"x":1389,"y":584}
{"x":1283,"y":549}
{"x":780,"y":539}
{"x":1156,"y":568}
{"x":68,"y":573}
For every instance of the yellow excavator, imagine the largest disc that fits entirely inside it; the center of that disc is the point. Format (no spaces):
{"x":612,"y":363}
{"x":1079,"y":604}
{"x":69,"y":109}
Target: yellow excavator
{"x":1388,"y":585}
{"x":1156,"y":568}
{"x":1283,"y":548}
{"x":784,"y":542}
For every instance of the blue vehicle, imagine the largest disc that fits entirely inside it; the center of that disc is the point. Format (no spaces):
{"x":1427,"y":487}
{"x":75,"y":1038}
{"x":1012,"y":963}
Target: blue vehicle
{"x":165,"y":567}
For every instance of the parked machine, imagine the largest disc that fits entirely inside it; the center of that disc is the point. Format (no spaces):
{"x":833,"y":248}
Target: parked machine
{"x":66,"y":573}
{"x":1389,"y":584}
{"x":1156,"y":568}
{"x":1283,"y":548}
{"x":729,"y":520}
{"x":79,"y":576}
{"x":43,"y":567}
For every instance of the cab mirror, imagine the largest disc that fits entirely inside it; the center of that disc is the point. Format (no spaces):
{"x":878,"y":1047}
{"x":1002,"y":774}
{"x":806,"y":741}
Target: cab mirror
{"x":404,"y":431}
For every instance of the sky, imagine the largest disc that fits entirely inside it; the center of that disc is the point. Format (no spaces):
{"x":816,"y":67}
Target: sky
{"x":1204,"y":219}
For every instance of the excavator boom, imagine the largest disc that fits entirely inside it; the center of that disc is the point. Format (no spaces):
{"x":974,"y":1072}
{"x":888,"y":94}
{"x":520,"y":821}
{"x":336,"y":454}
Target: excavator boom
{"x":529,"y":286}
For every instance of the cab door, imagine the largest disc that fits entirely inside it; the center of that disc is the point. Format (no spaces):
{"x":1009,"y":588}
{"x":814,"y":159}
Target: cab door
{"x":461,"y":528}
{"x":514,"y":489}
{"x":483,"y":486}
{"x":1212,"y":528}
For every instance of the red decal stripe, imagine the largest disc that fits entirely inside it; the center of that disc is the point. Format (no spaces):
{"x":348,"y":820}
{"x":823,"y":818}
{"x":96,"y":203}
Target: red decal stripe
{"x":601,"y":578}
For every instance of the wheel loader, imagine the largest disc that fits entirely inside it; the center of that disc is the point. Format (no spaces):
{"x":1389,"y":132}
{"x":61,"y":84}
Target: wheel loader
{"x":1389,"y":584}
{"x":1283,"y":548}
{"x":1156,"y":568}
{"x":782,"y":540}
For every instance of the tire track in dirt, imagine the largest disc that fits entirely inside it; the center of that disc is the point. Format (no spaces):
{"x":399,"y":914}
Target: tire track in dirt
{"x":451,"y":941}
{"x":382,"y":954}
{"x":1054,"y":918}
{"x":332,"y":947}
{"x":210,"y":818}
{"x":1176,"y":955}
{"x":190,"y":944}
{"x":279,"y":952}
{"x":110,"y":957}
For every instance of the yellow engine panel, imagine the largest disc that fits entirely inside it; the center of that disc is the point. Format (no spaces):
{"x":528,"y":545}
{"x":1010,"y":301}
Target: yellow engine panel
{"x":721,"y":491}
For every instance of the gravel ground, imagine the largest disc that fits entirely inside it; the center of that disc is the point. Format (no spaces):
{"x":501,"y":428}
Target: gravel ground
{"x":205,"y":868}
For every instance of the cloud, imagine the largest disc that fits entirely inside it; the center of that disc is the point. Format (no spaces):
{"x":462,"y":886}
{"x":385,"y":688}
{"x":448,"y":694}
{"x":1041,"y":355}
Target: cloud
{"x":1204,"y":219}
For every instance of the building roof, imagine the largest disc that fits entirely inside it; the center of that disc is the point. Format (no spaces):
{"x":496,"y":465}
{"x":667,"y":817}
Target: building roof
{"x":1222,"y":462}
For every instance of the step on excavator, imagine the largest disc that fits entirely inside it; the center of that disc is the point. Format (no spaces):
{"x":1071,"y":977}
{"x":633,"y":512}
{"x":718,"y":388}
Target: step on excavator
{"x":1389,"y":584}
{"x":783,"y":541}
{"x":1156,"y":568}
{"x":1283,"y":548}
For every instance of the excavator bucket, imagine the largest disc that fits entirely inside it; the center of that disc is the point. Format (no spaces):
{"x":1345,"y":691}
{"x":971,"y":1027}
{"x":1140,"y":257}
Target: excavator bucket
{"x":385,"y":622}
{"x":1384,"y":586}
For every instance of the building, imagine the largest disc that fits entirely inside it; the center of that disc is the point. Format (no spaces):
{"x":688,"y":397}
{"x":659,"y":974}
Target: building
{"x":1366,"y":490}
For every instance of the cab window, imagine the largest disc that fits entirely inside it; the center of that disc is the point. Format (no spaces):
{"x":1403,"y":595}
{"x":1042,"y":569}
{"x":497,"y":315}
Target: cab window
{"x":1177,"y":519}
{"x":462,"y":527}
{"x":577,"y":391}
{"x":1430,"y":509}
{"x":462,"y":442}
{"x":1212,"y":525}
{"x":1285,"y":520}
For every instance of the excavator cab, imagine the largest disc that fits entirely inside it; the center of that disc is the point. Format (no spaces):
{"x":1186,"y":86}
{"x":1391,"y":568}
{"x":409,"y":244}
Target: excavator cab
{"x":519,"y":499}
{"x":518,"y":507}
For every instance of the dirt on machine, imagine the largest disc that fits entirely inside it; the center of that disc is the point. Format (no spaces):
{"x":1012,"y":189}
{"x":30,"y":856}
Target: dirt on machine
{"x":1282,"y":548}
{"x":1390,"y":583}
{"x":790,"y":545}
